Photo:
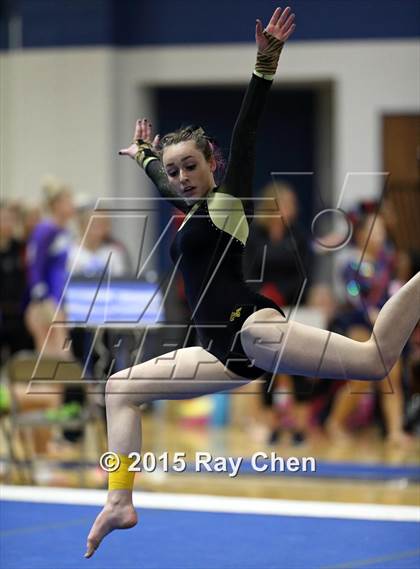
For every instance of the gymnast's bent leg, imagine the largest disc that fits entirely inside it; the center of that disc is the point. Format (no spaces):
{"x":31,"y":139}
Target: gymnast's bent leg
{"x":184,"y":373}
{"x":290,"y":347}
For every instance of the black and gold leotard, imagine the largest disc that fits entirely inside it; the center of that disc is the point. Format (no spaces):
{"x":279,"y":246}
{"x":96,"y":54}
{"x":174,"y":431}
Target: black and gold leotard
{"x":209,"y":245}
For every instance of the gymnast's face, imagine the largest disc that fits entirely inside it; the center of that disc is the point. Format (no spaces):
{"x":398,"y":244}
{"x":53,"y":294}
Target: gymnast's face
{"x":188,"y":171}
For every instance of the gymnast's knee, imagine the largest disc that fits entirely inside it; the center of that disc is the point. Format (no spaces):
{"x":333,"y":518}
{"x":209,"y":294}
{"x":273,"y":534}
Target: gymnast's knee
{"x":119,"y":389}
{"x":247,"y":338}
{"x":114,"y":387}
{"x":376,"y":363}
{"x":254,"y":334}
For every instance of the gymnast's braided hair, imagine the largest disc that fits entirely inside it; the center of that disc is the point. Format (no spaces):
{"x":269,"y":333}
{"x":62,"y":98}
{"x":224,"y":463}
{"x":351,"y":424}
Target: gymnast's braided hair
{"x":204,"y":143}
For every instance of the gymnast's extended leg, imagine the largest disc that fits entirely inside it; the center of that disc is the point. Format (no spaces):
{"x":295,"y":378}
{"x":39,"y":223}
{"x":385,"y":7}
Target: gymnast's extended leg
{"x":188,"y":372}
{"x":290,"y":347}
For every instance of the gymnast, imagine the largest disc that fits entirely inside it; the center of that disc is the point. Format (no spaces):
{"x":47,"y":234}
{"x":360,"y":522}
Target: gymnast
{"x":242,"y":334}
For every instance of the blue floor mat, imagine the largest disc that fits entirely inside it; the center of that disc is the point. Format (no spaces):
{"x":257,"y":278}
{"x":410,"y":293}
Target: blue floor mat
{"x":53,"y":536}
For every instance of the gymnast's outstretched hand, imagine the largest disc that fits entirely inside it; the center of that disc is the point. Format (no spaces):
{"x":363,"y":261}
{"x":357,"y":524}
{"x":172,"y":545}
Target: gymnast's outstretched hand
{"x":281,"y":26}
{"x":142,"y":131}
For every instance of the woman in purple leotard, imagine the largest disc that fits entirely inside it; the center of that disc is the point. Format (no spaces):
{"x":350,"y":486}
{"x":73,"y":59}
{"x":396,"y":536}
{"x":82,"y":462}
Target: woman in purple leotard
{"x":47,"y":253}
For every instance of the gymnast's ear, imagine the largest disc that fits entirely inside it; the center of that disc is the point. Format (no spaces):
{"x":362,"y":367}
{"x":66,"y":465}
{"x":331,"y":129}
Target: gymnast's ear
{"x":213,"y":163}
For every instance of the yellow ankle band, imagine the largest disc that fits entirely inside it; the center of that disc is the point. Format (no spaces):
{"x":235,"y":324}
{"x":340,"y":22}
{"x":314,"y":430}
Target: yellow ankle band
{"x":122,"y":478}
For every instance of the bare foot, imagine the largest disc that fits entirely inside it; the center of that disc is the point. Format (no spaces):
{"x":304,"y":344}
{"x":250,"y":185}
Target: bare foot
{"x":113,"y":516}
{"x":337,"y":433}
{"x":399,"y":439}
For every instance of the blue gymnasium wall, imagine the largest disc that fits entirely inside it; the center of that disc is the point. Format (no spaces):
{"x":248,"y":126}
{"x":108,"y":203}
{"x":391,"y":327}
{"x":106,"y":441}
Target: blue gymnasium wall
{"x":48,"y":23}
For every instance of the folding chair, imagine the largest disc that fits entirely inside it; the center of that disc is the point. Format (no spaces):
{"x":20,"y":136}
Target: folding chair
{"x":49,"y":375}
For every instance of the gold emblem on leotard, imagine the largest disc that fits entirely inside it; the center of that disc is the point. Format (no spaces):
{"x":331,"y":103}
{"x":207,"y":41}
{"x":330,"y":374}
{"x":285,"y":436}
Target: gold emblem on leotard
{"x":235,"y":314}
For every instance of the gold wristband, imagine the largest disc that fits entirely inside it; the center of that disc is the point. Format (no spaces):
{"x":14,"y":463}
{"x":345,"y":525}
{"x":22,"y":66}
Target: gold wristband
{"x":263,"y":75}
{"x":145,"y":153}
{"x":268,"y":59}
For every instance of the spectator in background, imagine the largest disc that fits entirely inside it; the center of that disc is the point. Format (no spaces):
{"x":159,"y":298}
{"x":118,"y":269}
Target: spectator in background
{"x":47,"y":255}
{"x":306,"y":390}
{"x":278,"y":241}
{"x":276,"y":262}
{"x":368,"y":284}
{"x":31,"y":216}
{"x":13,"y":334}
{"x":98,"y":250}
{"x":95,"y":253}
{"x":26,"y":217}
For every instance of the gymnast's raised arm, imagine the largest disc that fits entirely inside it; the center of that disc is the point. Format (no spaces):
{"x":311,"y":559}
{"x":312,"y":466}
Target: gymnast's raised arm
{"x":145,"y":153}
{"x":240,"y":170}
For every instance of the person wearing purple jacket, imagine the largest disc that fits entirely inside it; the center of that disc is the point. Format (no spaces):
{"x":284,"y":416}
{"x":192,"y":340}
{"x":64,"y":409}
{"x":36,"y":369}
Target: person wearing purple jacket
{"x":47,"y":254}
